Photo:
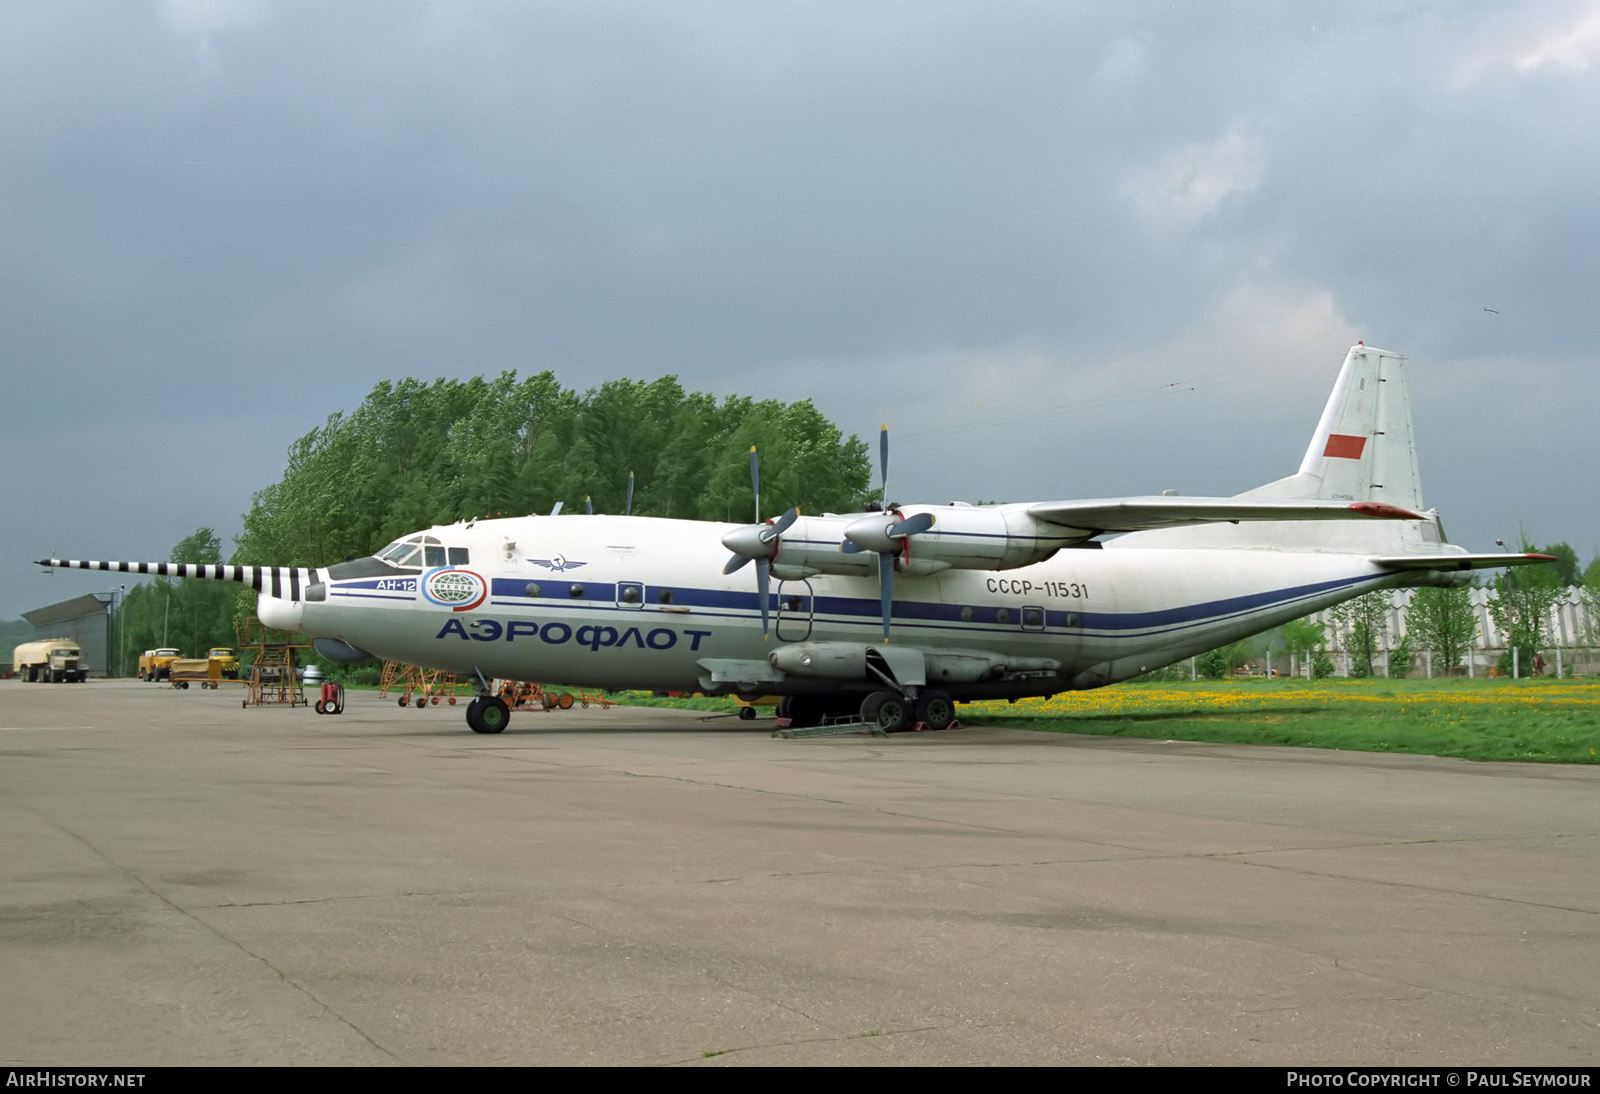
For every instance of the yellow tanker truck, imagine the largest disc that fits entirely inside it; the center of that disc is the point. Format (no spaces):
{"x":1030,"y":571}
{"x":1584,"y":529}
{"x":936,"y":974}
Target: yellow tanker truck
{"x":51,"y":661}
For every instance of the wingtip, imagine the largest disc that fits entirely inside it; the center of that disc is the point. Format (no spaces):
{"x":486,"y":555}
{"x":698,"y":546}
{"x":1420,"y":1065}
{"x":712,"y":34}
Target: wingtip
{"x":1383,"y":509}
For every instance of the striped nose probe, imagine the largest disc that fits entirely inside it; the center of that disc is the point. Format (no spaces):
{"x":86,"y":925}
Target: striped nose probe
{"x":283,"y":582}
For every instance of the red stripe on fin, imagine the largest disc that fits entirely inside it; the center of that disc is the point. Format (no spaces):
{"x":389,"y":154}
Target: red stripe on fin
{"x":1344,"y":446}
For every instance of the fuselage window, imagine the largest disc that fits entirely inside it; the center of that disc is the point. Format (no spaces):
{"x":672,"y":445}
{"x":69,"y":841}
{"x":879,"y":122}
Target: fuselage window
{"x":1002,"y":615}
{"x":458,"y":556}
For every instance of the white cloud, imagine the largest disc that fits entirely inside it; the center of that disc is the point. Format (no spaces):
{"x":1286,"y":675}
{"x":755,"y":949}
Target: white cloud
{"x":1570,"y":47}
{"x":203,"y":17}
{"x":1192,"y":183}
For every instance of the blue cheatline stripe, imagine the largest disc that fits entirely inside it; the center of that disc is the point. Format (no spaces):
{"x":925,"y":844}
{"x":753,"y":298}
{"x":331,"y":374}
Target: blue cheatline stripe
{"x":919,"y":615}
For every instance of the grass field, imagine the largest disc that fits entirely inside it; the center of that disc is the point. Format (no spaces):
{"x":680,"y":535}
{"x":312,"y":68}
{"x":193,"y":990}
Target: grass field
{"x":1544,"y":720}
{"x":1553,"y":721}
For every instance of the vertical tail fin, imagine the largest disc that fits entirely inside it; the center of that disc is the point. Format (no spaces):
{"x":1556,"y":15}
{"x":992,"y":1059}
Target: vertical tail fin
{"x":1364,"y":447}
{"x":1363,"y":450}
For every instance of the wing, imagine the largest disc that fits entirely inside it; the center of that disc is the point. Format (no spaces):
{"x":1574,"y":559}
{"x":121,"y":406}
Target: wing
{"x":1101,"y":515}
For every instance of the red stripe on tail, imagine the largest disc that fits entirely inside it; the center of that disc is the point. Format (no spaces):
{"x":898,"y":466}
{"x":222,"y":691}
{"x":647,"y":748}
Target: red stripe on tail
{"x":1344,"y":446}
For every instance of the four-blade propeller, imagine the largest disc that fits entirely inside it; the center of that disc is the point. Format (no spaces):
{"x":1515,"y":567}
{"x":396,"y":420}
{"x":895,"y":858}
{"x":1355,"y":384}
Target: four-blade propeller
{"x":885,"y":534}
{"x":758,"y":543}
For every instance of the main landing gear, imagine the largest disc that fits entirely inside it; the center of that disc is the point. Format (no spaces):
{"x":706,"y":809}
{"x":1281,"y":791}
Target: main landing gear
{"x":888,"y":711}
{"x":488,"y":714}
{"x":894,"y":713}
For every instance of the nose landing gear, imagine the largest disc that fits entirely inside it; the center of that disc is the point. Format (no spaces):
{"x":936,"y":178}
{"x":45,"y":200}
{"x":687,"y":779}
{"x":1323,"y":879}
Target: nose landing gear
{"x":488,"y":714}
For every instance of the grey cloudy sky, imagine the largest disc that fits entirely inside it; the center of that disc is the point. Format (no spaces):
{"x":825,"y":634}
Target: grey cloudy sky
{"x":1065,"y":250}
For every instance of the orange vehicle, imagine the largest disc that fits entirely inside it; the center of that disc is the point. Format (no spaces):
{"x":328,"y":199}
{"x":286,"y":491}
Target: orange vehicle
{"x":157,"y":664}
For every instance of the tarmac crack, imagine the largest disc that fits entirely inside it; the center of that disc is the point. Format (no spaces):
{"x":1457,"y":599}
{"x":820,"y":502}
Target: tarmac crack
{"x":843,"y":1038}
{"x":1385,"y":882}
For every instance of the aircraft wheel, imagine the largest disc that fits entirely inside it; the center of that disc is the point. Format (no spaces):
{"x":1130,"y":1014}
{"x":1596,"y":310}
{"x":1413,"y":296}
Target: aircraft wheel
{"x":747,"y":714}
{"x":488,"y":714}
{"x":888,"y":710}
{"x":805,"y":711}
{"x":935,"y":709}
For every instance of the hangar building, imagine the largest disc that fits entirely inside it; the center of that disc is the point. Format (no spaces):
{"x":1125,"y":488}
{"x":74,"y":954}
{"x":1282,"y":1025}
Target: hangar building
{"x":84,"y":619}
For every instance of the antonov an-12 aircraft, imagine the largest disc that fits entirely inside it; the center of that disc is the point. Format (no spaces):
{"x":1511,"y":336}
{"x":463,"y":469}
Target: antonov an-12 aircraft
{"x":897,"y":614}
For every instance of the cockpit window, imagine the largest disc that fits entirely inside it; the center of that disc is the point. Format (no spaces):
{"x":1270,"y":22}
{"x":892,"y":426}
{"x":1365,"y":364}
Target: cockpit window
{"x":458,"y":556}
{"x":415,"y":551}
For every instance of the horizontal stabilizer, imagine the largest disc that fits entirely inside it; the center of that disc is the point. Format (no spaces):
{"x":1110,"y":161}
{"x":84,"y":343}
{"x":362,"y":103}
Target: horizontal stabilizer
{"x":1100,"y":515}
{"x":1460,"y":562}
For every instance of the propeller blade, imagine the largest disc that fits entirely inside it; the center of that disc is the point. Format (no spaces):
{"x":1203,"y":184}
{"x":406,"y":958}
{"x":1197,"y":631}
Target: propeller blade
{"x":886,"y":589}
{"x":556,"y":509}
{"x":588,"y":505}
{"x":883,"y":465}
{"x":850,"y":547}
{"x":763,"y":590}
{"x":628,"y":512}
{"x":911,"y":526}
{"x":755,"y":482}
{"x":779,"y":526}
{"x":737,"y":562}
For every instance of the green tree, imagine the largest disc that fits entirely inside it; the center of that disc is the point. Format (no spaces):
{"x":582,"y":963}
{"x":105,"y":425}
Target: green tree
{"x":416,"y":454}
{"x":1400,"y":657}
{"x":1589,"y":594}
{"x":1442,"y":622}
{"x":1222,"y":661}
{"x":1300,"y":638}
{"x":1365,"y":623}
{"x":1525,"y":597}
{"x":192,"y":616}
{"x":1521,"y":609}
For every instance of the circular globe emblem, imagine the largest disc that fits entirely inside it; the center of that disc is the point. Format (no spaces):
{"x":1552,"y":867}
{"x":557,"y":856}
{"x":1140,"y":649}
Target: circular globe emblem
{"x":458,"y":590}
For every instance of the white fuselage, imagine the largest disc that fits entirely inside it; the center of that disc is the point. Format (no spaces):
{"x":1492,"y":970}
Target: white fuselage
{"x":640,"y":602}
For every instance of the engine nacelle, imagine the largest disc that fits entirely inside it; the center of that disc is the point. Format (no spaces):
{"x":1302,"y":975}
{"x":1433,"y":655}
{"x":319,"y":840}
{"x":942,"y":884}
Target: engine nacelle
{"x":963,"y":537}
{"x":849,"y":661}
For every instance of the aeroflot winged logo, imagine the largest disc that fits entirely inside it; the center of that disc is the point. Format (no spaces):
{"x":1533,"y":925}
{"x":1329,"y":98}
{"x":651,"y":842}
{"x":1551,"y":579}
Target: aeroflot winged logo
{"x":458,"y":590}
{"x":558,"y":564}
